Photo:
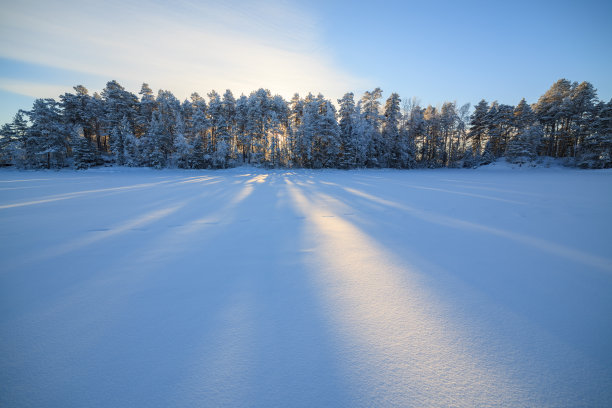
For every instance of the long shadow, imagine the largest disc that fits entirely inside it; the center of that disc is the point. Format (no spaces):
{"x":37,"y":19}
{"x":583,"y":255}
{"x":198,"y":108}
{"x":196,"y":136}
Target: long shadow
{"x":272,"y":348}
{"x":377,"y":198}
{"x":214,"y":309}
{"x":383,"y":308}
{"x":101,"y":191}
{"x":527,"y":276}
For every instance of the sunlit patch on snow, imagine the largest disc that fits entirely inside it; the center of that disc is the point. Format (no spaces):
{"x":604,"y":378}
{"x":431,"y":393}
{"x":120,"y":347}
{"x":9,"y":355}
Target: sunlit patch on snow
{"x":198,"y":179}
{"x":402,"y":352}
{"x":261,"y":178}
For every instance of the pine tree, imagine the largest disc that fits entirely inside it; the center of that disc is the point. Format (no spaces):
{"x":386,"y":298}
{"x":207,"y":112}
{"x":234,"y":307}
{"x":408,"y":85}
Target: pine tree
{"x":296,"y":112}
{"x":392,"y":156}
{"x":12,"y":139}
{"x":326,"y":139}
{"x":118,"y":103}
{"x":522,"y":148}
{"x":7,"y":138}
{"x":197,"y":158}
{"x":200,"y":129}
{"x":416,"y":129}
{"x":478,"y":126}
{"x":222,"y":151}
{"x":274,"y":149}
{"x":470,"y":158}
{"x":523,"y":116}
{"x":433,"y":141}
{"x":116,"y":145}
{"x":346,"y":123}
{"x":144,"y":111}
{"x":182,"y":152}
{"x":308,"y":130}
{"x":151,"y":146}
{"x":83,"y":150}
{"x":75,"y":110}
{"x":370,"y":110}
{"x":551,"y":112}
{"x":243,"y":140}
{"x":131,"y":150}
{"x":46,"y":140}
{"x":596,"y":150}
{"x":228,"y":112}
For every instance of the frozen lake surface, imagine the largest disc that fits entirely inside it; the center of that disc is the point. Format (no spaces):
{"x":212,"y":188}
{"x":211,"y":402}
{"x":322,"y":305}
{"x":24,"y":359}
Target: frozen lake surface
{"x":255,"y":288}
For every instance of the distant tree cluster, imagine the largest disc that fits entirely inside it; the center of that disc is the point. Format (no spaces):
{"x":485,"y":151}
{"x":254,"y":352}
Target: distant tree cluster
{"x":120,"y":128}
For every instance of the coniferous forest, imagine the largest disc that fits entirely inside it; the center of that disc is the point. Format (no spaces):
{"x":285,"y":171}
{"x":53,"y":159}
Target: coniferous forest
{"x":117,"y":127}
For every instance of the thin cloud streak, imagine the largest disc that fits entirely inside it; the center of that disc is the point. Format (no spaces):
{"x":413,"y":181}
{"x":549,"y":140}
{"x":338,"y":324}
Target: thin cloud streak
{"x":33,"y":89}
{"x":182,"y":46}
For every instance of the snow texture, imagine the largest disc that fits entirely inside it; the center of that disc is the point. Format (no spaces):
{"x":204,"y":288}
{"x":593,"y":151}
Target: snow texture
{"x":125,"y":287}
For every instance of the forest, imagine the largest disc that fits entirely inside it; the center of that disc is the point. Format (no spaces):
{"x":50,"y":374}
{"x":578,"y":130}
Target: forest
{"x":117,"y":127}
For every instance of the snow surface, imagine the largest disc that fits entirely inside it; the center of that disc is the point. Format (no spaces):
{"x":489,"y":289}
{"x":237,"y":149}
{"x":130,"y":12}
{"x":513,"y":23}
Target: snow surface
{"x":253,"y":288}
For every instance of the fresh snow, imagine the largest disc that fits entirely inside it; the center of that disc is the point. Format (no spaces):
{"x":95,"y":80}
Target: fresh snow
{"x":252,"y":288}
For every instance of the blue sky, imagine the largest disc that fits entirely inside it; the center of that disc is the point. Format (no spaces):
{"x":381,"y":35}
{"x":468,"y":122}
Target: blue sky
{"x":435,"y":51}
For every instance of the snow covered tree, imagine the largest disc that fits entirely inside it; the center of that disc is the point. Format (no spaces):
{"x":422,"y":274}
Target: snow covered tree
{"x":523,"y":116}
{"x":370,"y":110}
{"x":222,"y":151}
{"x":391,"y":133}
{"x":296,"y":112}
{"x":12,"y":140}
{"x":144,"y":111}
{"x":499,"y":126}
{"x":478,"y":126}
{"x":550,"y":111}
{"x":307,"y":130}
{"x":433,"y":141}
{"x":84,"y":152}
{"x":182,"y":152}
{"x":197,"y":157}
{"x":46,"y":140}
{"x":346,"y":123}
{"x":266,"y":130}
{"x":257,"y":124}
{"x":522,"y":148}
{"x":76,"y":112}
{"x":131,"y":150}
{"x":228,"y":112}
{"x":243,"y":139}
{"x":117,"y":104}
{"x":200,"y":124}
{"x":7,"y":140}
{"x":596,"y":149}
{"x":583,"y":117}
{"x":326,"y":139}
{"x":448,"y":136}
{"x":152,"y":152}
{"x":274,"y":151}
{"x":117,"y":140}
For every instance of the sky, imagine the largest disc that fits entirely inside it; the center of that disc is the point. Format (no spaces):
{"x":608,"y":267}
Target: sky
{"x":438,"y":51}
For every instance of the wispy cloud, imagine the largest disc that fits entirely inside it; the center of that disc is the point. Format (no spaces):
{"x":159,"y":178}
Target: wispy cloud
{"x":182,"y":46}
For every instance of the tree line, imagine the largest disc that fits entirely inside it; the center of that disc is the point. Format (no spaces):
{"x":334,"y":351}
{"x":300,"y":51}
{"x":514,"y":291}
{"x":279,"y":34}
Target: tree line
{"x":117,"y":127}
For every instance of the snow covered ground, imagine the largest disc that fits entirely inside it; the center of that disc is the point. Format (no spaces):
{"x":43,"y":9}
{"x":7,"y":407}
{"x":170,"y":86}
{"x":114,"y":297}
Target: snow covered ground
{"x":255,"y":288}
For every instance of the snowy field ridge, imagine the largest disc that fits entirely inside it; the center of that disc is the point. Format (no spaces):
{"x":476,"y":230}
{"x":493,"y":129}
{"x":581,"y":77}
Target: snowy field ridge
{"x":247,"y":287}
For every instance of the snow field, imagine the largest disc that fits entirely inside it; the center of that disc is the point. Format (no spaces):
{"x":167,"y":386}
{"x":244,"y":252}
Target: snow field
{"x":247,"y":287}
